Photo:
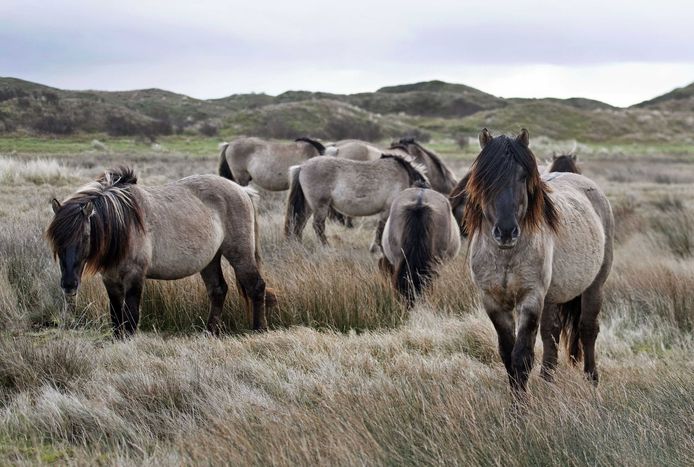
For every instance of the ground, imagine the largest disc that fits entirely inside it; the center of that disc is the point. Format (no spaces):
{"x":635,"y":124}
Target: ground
{"x":346,"y":375}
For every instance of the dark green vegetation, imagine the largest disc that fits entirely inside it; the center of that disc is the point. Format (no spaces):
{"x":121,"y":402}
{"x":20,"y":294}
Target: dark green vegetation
{"x":425,"y":109}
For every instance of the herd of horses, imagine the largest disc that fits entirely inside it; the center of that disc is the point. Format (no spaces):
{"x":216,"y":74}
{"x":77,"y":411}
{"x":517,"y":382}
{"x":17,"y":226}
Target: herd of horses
{"x":539,"y":241}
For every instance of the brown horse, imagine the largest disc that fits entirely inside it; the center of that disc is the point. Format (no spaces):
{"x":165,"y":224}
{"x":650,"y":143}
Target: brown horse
{"x":542,"y":246}
{"x":352,"y":188}
{"x":442,"y":179}
{"x":419,"y":234}
{"x":457,"y":198}
{"x":564,"y":163}
{"x":266,"y":163}
{"x":129,"y":232}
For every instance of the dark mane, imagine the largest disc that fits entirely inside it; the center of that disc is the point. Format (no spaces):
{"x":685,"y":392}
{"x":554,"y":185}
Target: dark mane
{"x":564,"y":163}
{"x":492,"y":170}
{"x":404,"y":142}
{"x":415,"y":175}
{"x":115,"y":213}
{"x":316,"y":144}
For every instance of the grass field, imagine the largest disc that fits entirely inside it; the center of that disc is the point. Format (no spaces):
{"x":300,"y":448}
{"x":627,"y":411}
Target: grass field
{"x":346,"y":375}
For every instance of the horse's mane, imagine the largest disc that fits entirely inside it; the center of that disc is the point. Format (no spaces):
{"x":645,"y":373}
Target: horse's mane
{"x":492,"y":170}
{"x":404,"y":142}
{"x":415,"y":173}
{"x":115,"y":212}
{"x":316,"y":144}
{"x":564,"y":163}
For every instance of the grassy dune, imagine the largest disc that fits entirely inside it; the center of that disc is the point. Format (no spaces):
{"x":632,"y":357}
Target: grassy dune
{"x":346,"y":376}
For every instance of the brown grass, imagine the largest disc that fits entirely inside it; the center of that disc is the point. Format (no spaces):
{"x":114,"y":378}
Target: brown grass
{"x":347,"y":376}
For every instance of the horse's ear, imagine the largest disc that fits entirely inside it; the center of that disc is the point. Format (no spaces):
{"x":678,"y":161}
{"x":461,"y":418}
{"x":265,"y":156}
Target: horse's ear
{"x":485,"y":137}
{"x":88,"y":209}
{"x":55,"y":204}
{"x":523,"y":138}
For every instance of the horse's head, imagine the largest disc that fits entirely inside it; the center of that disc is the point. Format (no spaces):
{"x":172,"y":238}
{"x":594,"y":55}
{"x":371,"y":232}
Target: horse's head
{"x":564,"y":163}
{"x":69,"y":235}
{"x":505,"y":191}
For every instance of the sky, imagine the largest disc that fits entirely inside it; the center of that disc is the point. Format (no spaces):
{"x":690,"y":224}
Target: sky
{"x":619,"y":52}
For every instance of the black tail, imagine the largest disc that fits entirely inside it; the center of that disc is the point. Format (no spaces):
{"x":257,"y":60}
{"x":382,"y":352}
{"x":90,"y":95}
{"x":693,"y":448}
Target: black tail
{"x":297,"y":210}
{"x":416,"y":268}
{"x":570,"y":316}
{"x":224,"y":169}
{"x":316,"y":144}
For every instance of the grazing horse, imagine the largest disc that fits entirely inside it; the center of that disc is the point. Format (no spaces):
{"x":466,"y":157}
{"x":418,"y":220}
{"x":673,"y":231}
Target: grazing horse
{"x":352,"y":188}
{"x":420,"y":233}
{"x":265,"y":163}
{"x":564,"y":163}
{"x":129,"y":232}
{"x":442,"y":179}
{"x":541,"y":245}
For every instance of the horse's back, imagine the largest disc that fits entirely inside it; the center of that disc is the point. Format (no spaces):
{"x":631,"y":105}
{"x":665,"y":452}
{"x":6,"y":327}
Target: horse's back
{"x":357,"y":150}
{"x":583,"y":241}
{"x":188,"y":220}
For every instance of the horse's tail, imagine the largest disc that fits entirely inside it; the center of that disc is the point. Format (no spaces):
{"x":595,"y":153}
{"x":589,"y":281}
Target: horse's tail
{"x":415,"y":269}
{"x":296,"y":204}
{"x":224,"y":169}
{"x":270,"y":296}
{"x":570,"y":317}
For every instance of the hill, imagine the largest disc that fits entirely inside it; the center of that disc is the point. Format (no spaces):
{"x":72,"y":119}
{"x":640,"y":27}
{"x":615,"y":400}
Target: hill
{"x":680,"y":99}
{"x":432,"y":107}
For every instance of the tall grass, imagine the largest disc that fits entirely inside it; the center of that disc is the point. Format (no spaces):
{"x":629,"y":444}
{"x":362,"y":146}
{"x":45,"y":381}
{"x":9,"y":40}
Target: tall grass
{"x":347,"y":375}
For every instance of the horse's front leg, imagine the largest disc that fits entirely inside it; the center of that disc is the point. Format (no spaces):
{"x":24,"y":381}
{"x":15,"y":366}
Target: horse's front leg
{"x":131,"y":311}
{"x":523,"y":355}
{"x":116,"y":295}
{"x":376,"y":245}
{"x":504,"y":324}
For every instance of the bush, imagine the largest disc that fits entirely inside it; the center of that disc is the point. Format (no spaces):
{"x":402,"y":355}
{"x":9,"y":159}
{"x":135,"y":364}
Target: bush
{"x":55,"y":125}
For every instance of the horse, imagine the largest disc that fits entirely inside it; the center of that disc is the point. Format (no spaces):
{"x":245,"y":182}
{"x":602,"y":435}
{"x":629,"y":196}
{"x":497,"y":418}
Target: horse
{"x":442,"y":179}
{"x":128,"y":232}
{"x":541,"y":245}
{"x":564,"y":163}
{"x":420,"y":233}
{"x":352,"y":188}
{"x":265,"y":163}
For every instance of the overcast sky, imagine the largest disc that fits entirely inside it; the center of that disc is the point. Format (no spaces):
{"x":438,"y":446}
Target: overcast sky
{"x":620,"y":52}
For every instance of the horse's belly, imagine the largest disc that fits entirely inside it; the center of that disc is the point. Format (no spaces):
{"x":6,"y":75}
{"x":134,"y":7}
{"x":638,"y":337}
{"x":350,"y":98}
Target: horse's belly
{"x":184,"y":249}
{"x":577,"y":260}
{"x":358,"y":203}
{"x":271,"y":175}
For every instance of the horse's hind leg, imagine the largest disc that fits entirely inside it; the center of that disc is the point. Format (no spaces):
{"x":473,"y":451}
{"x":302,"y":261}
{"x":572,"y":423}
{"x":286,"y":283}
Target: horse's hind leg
{"x":588,"y":328}
{"x":550,"y":330}
{"x":217,"y":289}
{"x":319,"y":216}
{"x":376,"y":245}
{"x":252,"y":286}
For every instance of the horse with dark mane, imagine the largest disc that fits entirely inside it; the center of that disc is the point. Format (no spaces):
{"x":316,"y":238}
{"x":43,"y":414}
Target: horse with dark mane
{"x":128,"y":232}
{"x":564,"y":163}
{"x":442,"y":179}
{"x":266,"y":163}
{"x":541,"y":246}
{"x":352,"y":188}
{"x":420,"y":234}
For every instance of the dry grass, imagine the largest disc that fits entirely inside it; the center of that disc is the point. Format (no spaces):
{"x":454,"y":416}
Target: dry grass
{"x":347,"y":376}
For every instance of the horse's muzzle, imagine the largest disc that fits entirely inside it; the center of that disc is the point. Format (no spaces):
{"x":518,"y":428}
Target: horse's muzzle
{"x":506,"y":238}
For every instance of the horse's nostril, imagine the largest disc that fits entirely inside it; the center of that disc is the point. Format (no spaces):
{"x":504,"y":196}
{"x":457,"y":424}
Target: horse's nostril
{"x":496,"y":232}
{"x":515,"y":233}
